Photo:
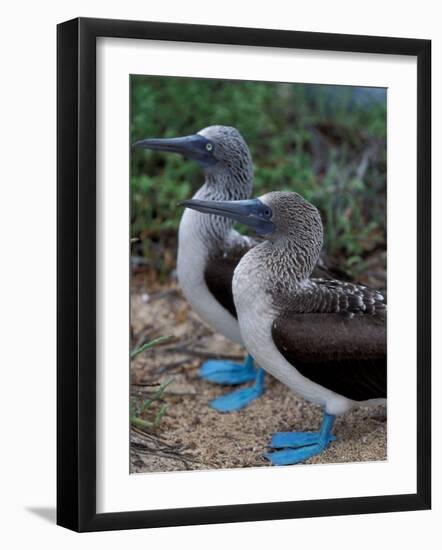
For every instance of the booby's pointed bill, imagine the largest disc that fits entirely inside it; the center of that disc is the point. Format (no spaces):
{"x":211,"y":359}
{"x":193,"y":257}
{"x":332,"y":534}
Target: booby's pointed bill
{"x":194,"y":147}
{"x":252,"y":212}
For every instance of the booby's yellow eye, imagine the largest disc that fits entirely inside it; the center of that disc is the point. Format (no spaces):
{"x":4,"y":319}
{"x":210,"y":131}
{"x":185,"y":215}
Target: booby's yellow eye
{"x":209,"y":146}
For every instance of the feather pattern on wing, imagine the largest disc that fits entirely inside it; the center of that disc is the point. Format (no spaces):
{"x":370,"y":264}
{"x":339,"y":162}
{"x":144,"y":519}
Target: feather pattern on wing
{"x":223,"y":260}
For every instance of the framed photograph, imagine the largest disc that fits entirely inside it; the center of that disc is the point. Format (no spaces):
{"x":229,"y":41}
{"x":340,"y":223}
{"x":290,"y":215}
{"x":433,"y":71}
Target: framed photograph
{"x":234,"y":207}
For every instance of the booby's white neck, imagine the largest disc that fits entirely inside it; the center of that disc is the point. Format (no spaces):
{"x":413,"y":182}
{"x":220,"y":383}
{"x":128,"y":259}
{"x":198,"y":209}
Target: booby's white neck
{"x":221,"y":184}
{"x":199,"y":236}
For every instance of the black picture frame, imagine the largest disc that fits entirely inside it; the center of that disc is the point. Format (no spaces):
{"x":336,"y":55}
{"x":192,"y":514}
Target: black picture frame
{"x":76,"y":274}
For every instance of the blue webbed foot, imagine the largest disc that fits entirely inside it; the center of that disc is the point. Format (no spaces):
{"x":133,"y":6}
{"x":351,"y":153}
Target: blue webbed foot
{"x":293,"y":456}
{"x":240,"y":398}
{"x":226,"y":372}
{"x":281,"y":440}
{"x":300,"y":446}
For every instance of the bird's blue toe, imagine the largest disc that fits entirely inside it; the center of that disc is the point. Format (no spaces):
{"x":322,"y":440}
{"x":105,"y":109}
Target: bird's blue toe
{"x":293,"y":456}
{"x":236,"y":400}
{"x":281,"y":440}
{"x":226,"y":372}
{"x":300,"y":446}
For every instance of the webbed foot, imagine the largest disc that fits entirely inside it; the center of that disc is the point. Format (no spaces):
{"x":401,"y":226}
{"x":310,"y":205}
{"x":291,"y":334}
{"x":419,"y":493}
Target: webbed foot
{"x":281,"y":440}
{"x":226,"y":372}
{"x":240,"y":398}
{"x":300,"y":446}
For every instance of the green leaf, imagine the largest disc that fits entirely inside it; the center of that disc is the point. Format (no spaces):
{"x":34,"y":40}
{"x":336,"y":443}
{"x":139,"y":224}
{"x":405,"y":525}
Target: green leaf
{"x":148,"y":345}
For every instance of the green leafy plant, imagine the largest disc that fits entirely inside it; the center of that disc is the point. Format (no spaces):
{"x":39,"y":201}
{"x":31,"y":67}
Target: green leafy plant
{"x":148,"y":345}
{"x":151,"y":406}
{"x":146,"y":406}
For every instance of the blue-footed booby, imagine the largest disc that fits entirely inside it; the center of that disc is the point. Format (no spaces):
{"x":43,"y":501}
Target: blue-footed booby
{"x":209,"y":249}
{"x":323,"y":338}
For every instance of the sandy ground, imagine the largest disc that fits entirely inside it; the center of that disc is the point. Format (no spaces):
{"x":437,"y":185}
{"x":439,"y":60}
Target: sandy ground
{"x":193,"y":436}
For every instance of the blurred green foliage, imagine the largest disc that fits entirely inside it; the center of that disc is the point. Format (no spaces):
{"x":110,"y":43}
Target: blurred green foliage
{"x":326,"y":142}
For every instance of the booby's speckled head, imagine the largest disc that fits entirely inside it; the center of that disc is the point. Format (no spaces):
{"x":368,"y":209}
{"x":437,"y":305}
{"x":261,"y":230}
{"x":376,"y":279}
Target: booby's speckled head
{"x":294,"y":218}
{"x":210,"y":147}
{"x":228,"y":146}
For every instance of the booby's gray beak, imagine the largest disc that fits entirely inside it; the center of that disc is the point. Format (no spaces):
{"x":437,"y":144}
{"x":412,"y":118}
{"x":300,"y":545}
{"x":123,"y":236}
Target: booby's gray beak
{"x":253,"y":212}
{"x":194,"y":147}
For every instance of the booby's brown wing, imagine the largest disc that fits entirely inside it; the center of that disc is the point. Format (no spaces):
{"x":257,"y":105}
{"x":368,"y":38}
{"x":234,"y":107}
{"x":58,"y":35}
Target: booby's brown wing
{"x":343,"y":351}
{"x":221,"y":264}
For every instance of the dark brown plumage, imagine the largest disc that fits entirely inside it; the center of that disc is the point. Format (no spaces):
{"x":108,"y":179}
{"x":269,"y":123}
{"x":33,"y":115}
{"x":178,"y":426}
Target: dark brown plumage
{"x":346,"y":354}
